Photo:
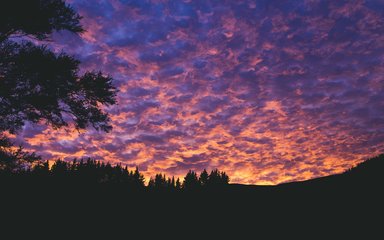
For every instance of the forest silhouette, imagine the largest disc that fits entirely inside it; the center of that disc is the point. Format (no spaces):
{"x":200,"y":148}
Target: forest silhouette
{"x":92,"y":174}
{"x":92,"y":192}
{"x":97,"y":174}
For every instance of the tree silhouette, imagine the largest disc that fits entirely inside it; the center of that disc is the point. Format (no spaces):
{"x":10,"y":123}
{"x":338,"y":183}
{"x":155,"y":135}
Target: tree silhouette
{"x":151,"y":184}
{"x":160,"y":181}
{"x":172,"y":183}
{"x":14,"y":159}
{"x":36,"y":85}
{"x":191,"y":182}
{"x":90,"y":172}
{"x":224,"y":178}
{"x":139,"y":180}
{"x":40,"y":86}
{"x":204,"y":177}
{"x":60,"y":168}
{"x":42,"y":169}
{"x":217,"y":179}
{"x":36,"y":18}
{"x":178,"y":184}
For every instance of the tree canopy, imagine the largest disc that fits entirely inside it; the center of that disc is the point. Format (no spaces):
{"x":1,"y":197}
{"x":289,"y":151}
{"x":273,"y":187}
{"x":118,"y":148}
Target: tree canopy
{"x":39,"y":85}
{"x":37,"y":18}
{"x":90,"y":172}
{"x":36,"y":84}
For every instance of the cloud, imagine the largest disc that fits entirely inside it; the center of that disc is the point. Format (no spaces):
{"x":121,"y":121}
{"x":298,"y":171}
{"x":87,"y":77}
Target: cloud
{"x":150,"y":139}
{"x":194,"y":158}
{"x":209,"y":104}
{"x":139,"y":92}
{"x":268,"y":91}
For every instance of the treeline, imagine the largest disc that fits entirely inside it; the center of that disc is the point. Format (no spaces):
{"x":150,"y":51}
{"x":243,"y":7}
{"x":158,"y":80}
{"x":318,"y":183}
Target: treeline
{"x":96,"y":173}
{"x":191,"y":181}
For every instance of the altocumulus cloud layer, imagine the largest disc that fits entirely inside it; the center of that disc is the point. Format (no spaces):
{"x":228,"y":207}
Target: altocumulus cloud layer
{"x":267,"y":90}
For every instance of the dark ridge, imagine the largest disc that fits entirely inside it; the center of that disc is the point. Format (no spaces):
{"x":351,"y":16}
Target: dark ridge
{"x":352,"y":200}
{"x":86,"y":177}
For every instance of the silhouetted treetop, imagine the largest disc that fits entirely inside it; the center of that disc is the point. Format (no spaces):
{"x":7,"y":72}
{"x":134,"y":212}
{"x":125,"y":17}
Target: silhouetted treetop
{"x":204,"y":178}
{"x":37,"y":18}
{"x":14,"y":159}
{"x":217,"y":178}
{"x":191,"y":181}
{"x":138,"y":178}
{"x":90,"y":171}
{"x":36,"y":84}
{"x":160,"y":181}
{"x":40,"y":86}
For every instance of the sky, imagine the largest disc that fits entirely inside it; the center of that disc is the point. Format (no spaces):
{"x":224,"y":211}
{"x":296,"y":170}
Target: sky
{"x":269,"y":91}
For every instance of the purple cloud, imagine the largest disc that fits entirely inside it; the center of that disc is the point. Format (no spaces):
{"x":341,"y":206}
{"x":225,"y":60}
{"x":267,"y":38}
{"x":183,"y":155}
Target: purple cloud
{"x":269,"y":91}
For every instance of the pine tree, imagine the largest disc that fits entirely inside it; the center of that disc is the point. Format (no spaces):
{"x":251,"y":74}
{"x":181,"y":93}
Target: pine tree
{"x":38,"y":85}
{"x":178,"y":184}
{"x":191,"y":181}
{"x":139,"y":180}
{"x":173,"y":185}
{"x":151,"y":183}
{"x":204,"y":178}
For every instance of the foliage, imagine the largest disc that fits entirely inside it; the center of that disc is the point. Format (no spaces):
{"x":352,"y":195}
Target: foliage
{"x":14,"y":158}
{"x":37,"y":18}
{"x":40,"y":86}
{"x":91,"y":172}
{"x":36,"y":85}
{"x":191,"y":181}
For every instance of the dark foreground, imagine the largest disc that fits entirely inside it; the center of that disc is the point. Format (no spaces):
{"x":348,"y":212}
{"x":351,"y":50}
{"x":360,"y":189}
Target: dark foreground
{"x":348,"y":202}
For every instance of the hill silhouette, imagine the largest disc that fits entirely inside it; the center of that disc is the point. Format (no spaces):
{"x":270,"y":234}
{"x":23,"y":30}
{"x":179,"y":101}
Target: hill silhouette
{"x":361,"y":181}
{"x":98,"y":175}
{"x":87,"y":176}
{"x":350,"y":200}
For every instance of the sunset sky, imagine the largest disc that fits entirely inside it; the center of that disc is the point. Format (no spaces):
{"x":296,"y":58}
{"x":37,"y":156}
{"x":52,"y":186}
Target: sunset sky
{"x":268,"y":91}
